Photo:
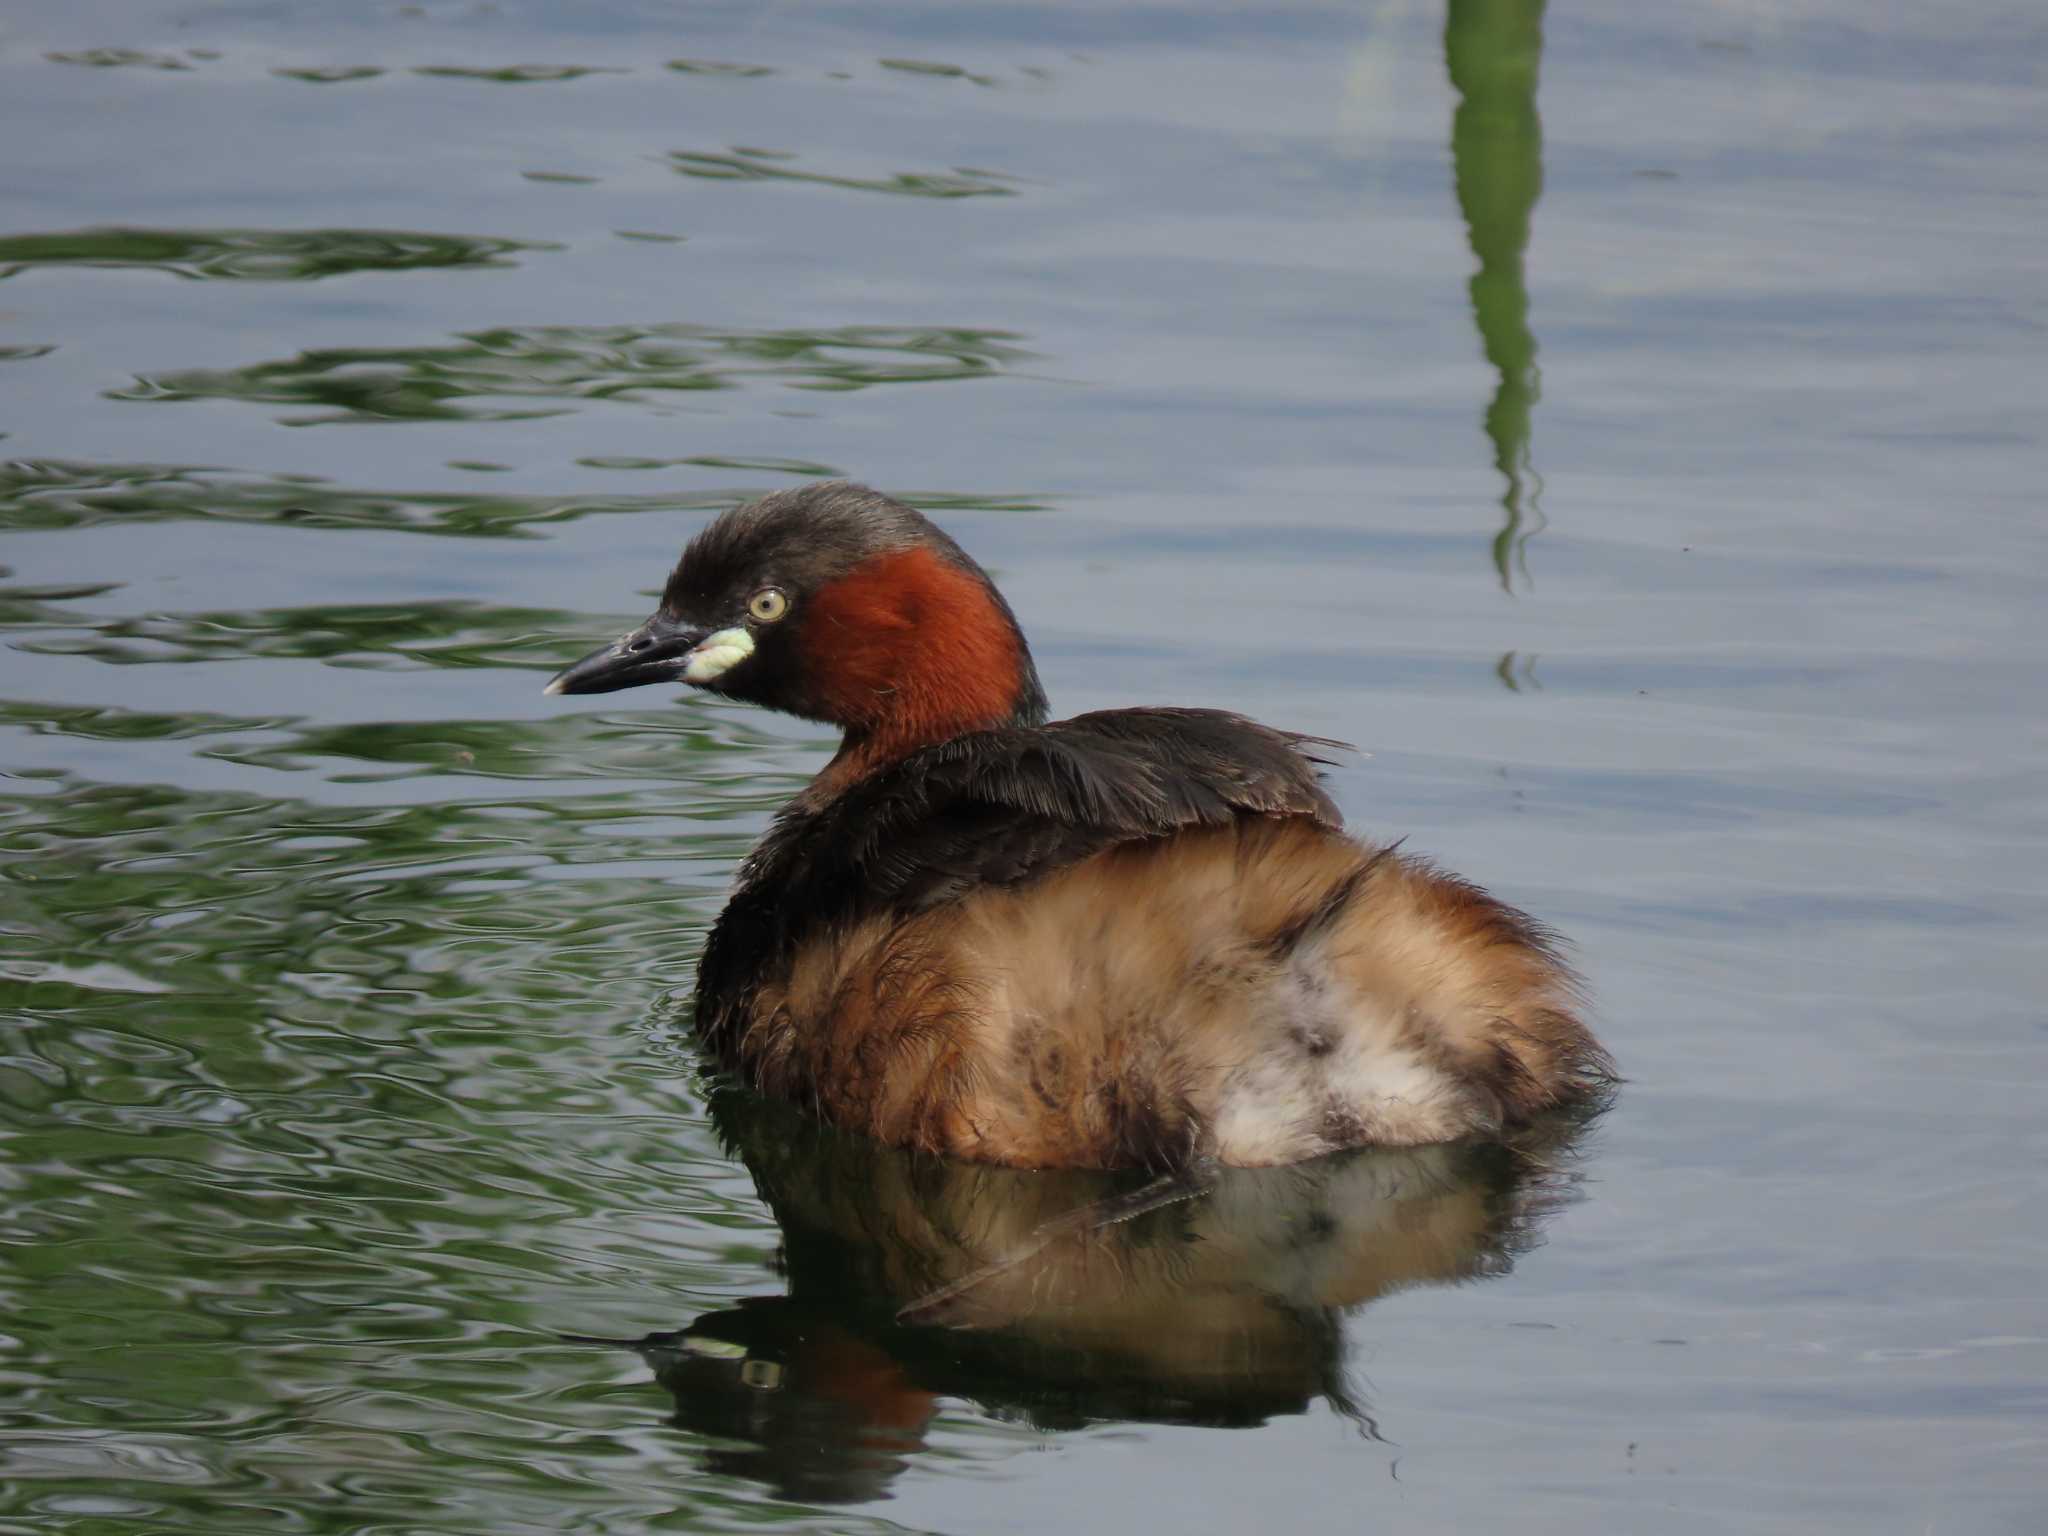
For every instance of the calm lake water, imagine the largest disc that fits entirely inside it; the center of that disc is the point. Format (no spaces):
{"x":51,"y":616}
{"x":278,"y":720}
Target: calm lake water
{"x":1624,"y":422}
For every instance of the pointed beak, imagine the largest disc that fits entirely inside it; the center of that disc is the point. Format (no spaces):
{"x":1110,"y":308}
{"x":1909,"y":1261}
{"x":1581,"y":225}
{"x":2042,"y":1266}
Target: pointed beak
{"x":657,"y":652}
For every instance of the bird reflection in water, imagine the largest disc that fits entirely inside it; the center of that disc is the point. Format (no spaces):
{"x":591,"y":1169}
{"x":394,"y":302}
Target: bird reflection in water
{"x":1067,"y":1298}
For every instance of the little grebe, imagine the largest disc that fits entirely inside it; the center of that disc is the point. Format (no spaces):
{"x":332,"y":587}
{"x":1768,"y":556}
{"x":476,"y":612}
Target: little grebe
{"x":1138,"y":937}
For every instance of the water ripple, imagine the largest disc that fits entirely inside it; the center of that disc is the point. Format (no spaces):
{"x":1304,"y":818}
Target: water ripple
{"x":330,"y":74}
{"x":257,"y":255}
{"x":378,"y":636}
{"x":59,"y":493}
{"x":746,"y":163}
{"x":561,"y":367}
{"x":715,"y":67}
{"x":516,"y":74}
{"x":124,"y":58}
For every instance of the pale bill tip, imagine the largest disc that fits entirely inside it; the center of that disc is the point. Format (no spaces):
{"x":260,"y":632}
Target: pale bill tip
{"x":554,"y":686}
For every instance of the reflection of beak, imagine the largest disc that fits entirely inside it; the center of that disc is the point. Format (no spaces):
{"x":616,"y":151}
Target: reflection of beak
{"x":657,"y":652}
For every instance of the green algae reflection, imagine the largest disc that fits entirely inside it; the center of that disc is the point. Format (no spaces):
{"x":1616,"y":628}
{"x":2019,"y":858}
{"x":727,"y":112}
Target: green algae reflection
{"x":745,"y":163}
{"x":530,"y":371}
{"x":256,"y":255}
{"x":61,"y":493}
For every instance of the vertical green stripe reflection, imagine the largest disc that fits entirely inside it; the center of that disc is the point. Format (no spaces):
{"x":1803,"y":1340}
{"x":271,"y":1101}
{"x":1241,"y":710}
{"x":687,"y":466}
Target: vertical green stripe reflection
{"x":1493,"y":48}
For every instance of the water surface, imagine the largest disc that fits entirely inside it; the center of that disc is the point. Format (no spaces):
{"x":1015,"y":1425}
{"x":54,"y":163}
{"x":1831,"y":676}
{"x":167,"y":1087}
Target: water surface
{"x":1621,"y":424}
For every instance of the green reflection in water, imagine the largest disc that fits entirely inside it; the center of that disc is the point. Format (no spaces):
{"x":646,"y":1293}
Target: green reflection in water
{"x":322,"y":1112}
{"x":122,"y":58}
{"x":743,"y":163}
{"x":939,"y":70}
{"x":716,"y":67}
{"x":570,"y":364}
{"x":1517,"y":672}
{"x":382,"y":636}
{"x":1493,"y":49}
{"x":260,"y":255}
{"x":57,"y":493}
{"x":804,"y":467}
{"x":401,"y":907}
{"x":320,"y":1120}
{"x":517,"y":74}
{"x":330,"y":74}
{"x":647,"y":746}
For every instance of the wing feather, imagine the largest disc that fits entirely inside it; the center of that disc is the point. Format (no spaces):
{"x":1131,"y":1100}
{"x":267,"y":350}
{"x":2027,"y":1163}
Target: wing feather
{"x":996,"y":807}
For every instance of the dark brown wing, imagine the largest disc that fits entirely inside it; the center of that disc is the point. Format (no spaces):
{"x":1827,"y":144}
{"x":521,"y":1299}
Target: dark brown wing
{"x":995,"y":808}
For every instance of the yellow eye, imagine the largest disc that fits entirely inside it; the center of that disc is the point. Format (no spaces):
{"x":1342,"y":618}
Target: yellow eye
{"x":768,"y":605}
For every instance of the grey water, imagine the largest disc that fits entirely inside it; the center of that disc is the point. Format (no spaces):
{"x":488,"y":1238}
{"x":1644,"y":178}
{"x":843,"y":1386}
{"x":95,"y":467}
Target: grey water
{"x":1624,"y":423}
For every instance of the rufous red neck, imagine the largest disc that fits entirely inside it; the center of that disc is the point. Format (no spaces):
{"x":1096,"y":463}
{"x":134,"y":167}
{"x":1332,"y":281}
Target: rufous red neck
{"x":906,"y":650}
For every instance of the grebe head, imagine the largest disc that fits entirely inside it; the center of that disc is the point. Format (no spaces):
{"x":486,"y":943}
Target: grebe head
{"x":834,"y":603}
